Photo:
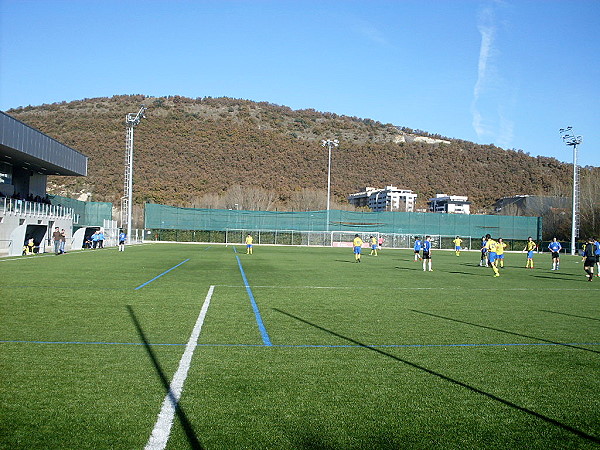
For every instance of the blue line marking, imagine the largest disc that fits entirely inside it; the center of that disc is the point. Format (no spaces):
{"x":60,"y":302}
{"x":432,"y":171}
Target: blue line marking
{"x":259,"y":322}
{"x":158,"y":276}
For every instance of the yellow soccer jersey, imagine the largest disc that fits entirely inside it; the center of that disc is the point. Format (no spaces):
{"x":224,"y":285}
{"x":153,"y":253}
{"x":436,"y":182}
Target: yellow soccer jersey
{"x":374,"y":241}
{"x":530,"y":246}
{"x":500,"y":246}
{"x":358,"y":242}
{"x":457,"y":242}
{"x":491,"y":245}
{"x":249,"y":240}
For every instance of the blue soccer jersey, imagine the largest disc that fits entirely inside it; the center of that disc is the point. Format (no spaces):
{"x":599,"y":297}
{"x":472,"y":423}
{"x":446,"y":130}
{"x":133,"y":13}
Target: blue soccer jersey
{"x":555,"y":247}
{"x":427,"y":246}
{"x":418,"y":245}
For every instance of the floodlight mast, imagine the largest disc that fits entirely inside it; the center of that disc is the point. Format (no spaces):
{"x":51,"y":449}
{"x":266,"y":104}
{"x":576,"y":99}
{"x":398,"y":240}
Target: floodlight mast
{"x":131,"y":120}
{"x":573,"y":140}
{"x":329,"y":143}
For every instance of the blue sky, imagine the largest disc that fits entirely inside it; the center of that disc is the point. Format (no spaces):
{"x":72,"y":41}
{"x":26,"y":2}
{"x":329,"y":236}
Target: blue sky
{"x":506,"y":72}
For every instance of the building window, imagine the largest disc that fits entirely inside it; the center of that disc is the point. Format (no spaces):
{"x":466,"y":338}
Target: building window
{"x":5,"y":173}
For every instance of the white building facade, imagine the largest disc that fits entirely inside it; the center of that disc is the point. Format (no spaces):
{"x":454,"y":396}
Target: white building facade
{"x":389,"y":199}
{"x":452,"y":204}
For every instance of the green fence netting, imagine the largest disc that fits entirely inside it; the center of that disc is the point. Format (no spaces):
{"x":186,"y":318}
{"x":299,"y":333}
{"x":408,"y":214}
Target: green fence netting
{"x":162,"y":217}
{"x":87,"y":213}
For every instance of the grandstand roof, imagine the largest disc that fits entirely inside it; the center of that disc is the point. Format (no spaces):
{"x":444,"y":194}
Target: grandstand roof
{"x":22,"y":145}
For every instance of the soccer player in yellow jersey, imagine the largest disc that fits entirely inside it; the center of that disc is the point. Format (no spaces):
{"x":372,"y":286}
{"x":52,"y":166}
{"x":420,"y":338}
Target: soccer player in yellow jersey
{"x":249,"y":244}
{"x":491,"y":247}
{"x":530,"y":246}
{"x":357,"y":244}
{"x":457,"y":243}
{"x":373,"y":246}
{"x":500,"y":246}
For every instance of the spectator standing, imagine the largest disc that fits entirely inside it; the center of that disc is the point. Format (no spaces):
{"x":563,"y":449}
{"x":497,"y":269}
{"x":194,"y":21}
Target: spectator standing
{"x":101,"y":239}
{"x":56,"y":240}
{"x":63,"y":240}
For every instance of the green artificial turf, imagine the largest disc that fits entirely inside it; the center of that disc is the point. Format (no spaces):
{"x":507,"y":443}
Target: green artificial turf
{"x":373,"y":355}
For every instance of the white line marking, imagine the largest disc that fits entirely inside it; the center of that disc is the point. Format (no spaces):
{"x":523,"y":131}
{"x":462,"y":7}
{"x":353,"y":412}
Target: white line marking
{"x":405,"y":288}
{"x":162,"y":429}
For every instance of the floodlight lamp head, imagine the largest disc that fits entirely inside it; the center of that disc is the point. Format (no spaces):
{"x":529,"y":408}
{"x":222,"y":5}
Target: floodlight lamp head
{"x":329,"y":142}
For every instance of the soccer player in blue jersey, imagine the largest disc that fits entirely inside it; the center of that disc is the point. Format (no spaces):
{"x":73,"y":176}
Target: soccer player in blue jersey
{"x":484,"y":259}
{"x":597,"y":254}
{"x":555,"y":248}
{"x":122,"y":239}
{"x":427,"y":253}
{"x":417,"y":248}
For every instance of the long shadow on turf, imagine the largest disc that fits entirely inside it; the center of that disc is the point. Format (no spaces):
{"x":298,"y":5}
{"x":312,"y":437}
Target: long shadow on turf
{"x":557,"y":277}
{"x":570,"y":315}
{"x":185,"y":423}
{"x":504,"y":331}
{"x":450,"y":380}
{"x":488,"y":274}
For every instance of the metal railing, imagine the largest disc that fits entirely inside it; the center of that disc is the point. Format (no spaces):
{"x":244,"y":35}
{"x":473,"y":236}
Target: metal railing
{"x":36,"y":209}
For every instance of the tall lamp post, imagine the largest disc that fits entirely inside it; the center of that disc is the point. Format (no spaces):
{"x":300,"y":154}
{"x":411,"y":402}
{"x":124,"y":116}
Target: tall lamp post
{"x":329,"y":143}
{"x":573,"y":140}
{"x":132,"y":120}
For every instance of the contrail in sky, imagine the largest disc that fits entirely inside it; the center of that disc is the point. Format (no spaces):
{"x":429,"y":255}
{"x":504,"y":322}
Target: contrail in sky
{"x":487,"y":31}
{"x":492,"y":102}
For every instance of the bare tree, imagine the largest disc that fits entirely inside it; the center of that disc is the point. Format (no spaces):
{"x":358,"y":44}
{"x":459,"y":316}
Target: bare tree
{"x":589,"y":203}
{"x":307,"y":200}
{"x":211,"y":201}
{"x":249,"y":198}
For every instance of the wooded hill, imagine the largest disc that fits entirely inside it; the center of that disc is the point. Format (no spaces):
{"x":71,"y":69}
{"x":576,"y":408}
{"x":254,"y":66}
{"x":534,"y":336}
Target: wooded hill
{"x":189,"y":149}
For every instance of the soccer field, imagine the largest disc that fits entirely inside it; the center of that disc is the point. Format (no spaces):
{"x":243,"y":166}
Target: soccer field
{"x":295,"y":348}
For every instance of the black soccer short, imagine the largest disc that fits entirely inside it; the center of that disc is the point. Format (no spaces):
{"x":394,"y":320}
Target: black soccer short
{"x":589,"y":261}
{"x":426,"y":255}
{"x":555,"y":255}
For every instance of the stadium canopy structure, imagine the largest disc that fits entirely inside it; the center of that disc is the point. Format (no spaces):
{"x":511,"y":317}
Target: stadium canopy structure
{"x":27,"y":157}
{"x":26,"y":149}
